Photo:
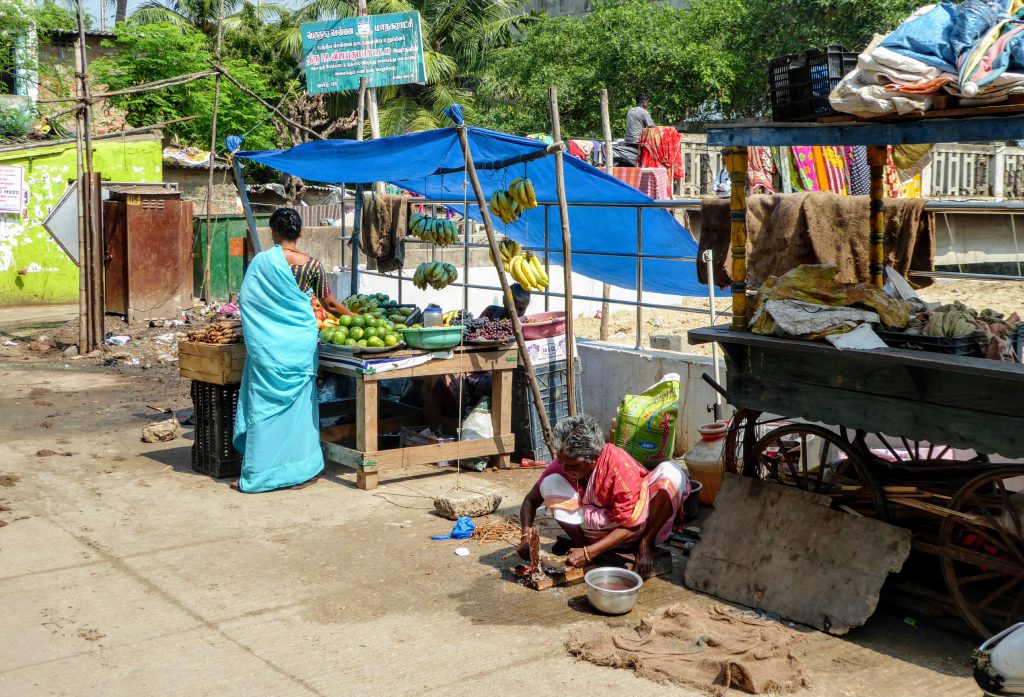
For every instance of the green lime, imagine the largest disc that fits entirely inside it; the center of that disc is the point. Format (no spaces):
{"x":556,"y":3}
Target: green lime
{"x":356,"y":333}
{"x":362,"y":342}
{"x":350,"y":342}
{"x":359,"y":321}
{"x":325,"y":335}
{"x":343,"y":331}
{"x":375,"y":342}
{"x":337,"y":339}
{"x":345,"y":320}
{"x":369,"y":332}
{"x":390,"y":340}
{"x":400,"y":325}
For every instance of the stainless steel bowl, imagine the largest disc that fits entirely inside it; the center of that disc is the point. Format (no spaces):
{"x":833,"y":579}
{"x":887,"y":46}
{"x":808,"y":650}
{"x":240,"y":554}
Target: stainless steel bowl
{"x":609,"y":601}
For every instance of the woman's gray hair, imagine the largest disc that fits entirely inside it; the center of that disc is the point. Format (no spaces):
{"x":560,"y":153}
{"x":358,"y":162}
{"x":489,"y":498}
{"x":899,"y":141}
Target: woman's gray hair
{"x":579,"y":437}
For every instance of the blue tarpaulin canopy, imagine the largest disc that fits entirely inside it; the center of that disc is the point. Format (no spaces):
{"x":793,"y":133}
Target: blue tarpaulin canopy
{"x":431,"y":164}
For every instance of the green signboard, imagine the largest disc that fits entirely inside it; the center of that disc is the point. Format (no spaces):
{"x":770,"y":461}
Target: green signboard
{"x":385,"y":49}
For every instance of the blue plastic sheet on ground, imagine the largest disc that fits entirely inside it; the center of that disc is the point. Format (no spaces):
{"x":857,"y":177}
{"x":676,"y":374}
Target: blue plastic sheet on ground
{"x":601,"y":220}
{"x":462,"y":530}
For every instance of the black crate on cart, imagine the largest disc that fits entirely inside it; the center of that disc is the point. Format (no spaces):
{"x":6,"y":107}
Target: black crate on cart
{"x":214,"y":407}
{"x":801,"y":82}
{"x":552,"y":379}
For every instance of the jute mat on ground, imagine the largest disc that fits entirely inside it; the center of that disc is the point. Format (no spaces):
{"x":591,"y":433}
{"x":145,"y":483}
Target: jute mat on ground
{"x":711,"y":649}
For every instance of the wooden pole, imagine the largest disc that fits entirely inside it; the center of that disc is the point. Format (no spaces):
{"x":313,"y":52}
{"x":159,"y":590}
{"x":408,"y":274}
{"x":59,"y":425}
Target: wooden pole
{"x":207,"y":266}
{"x":98,"y":292}
{"x":563,"y":209}
{"x":93,"y":275}
{"x":84,"y":333}
{"x":506,"y":290}
{"x":136,"y":89}
{"x":221,"y":70}
{"x":609,"y":166}
{"x":736,"y":164}
{"x":877,"y":157}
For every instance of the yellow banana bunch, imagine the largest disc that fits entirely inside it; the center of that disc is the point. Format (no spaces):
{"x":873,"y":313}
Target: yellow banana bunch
{"x":528,"y":272}
{"x":435,"y":230}
{"x":522,"y":192}
{"x":449,"y":317}
{"x":436,"y":274}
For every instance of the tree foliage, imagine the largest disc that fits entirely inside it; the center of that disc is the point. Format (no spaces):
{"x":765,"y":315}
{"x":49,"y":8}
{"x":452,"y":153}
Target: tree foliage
{"x":159,"y":51}
{"x":706,"y":61}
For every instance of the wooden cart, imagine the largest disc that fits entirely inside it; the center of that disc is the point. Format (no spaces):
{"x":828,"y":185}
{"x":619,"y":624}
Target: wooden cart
{"x":929,"y":441}
{"x":356,"y":445}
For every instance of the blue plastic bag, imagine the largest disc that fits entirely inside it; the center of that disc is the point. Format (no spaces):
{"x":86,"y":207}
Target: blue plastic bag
{"x":463,"y":530}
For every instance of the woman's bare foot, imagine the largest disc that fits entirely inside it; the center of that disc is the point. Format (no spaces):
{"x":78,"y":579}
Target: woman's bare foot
{"x":234,"y":485}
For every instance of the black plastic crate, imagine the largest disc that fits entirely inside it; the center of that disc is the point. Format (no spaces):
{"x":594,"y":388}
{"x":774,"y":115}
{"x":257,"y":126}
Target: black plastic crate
{"x":214,"y":407}
{"x":801,"y":82}
{"x":966,"y":346}
{"x":552,"y":379}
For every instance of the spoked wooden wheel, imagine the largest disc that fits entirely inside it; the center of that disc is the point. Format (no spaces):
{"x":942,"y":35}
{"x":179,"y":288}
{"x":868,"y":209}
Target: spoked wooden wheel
{"x":819,"y":460}
{"x":919,"y":452}
{"x":983,"y":550}
{"x":740,"y":440}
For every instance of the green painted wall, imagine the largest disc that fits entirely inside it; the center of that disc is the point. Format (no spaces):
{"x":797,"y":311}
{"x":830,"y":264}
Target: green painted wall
{"x":49,"y":276}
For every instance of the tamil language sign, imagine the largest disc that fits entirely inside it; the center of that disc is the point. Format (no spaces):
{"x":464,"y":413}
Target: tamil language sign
{"x":13,"y":197}
{"x":385,"y":49}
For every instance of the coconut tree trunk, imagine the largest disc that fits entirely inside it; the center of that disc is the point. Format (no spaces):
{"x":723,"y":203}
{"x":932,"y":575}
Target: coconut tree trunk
{"x":121,"y":11}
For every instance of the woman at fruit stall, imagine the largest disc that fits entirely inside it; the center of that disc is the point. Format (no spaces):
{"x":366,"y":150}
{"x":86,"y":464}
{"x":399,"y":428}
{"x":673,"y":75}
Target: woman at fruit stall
{"x":603,"y":499}
{"x":277,"y":423}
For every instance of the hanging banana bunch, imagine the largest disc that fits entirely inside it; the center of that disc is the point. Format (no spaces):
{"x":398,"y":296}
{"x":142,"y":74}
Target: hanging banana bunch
{"x":436,"y":230}
{"x":508,"y":249}
{"x":436,"y":274}
{"x":522,"y":192}
{"x":505,"y":208}
{"x":527,"y":271}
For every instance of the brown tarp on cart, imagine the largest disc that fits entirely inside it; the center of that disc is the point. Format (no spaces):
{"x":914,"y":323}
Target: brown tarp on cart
{"x":785,"y":231}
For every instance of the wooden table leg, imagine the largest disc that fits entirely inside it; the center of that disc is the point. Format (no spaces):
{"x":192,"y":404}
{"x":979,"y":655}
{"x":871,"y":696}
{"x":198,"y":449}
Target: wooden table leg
{"x":366,"y":416}
{"x":366,"y":479}
{"x":501,"y":412}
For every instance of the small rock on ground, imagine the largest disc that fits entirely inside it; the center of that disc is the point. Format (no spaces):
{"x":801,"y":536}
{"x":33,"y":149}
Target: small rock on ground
{"x":161,"y":431}
{"x":467,"y":503}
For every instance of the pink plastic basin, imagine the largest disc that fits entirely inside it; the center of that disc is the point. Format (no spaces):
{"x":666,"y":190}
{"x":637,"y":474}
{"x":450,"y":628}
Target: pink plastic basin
{"x":553,"y":325}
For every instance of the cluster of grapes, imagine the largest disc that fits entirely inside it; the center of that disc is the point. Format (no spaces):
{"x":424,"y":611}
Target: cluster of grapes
{"x":475,"y":325}
{"x":491,"y":330}
{"x":464,"y":317}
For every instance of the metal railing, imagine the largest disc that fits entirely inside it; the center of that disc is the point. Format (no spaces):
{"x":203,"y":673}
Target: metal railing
{"x":474,"y":240}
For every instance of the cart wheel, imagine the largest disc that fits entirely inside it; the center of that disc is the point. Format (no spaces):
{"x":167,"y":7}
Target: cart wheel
{"x":819,"y":460}
{"x":739,"y":440}
{"x":983,"y":550}
{"x":923,"y":453}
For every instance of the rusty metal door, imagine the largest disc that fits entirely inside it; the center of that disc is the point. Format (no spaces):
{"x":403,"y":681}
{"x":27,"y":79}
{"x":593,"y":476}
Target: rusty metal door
{"x":115,"y":258}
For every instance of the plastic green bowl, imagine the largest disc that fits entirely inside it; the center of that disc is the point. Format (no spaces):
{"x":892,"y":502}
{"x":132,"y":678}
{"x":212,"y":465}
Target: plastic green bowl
{"x":431,"y":338}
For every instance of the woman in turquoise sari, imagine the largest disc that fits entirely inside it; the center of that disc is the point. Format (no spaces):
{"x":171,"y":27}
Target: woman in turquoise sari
{"x":277,"y":427}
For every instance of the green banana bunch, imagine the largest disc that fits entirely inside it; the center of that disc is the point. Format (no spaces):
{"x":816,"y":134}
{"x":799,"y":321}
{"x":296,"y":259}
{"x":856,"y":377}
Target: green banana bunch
{"x":435,"y":230}
{"x":504,"y":208}
{"x":436,"y":274}
{"x":522,"y":192}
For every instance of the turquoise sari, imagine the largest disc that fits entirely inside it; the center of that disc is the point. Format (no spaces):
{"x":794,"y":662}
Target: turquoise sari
{"x":277,"y":424}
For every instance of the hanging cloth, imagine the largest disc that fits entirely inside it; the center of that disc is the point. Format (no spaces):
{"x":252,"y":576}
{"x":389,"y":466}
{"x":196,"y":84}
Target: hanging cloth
{"x":760,"y":170}
{"x":784,"y":168}
{"x":803,"y":158}
{"x":860,"y":173}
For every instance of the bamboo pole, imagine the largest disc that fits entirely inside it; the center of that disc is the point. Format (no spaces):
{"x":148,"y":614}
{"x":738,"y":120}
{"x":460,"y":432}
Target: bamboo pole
{"x":106,"y":136}
{"x":506,"y":290}
{"x":609,"y":166}
{"x":736,"y":163}
{"x":563,"y":209}
{"x":877,"y":156}
{"x":207,"y":270}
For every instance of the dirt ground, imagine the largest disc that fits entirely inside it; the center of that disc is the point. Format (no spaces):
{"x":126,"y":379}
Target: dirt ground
{"x":122,"y":572}
{"x":1006,"y":297}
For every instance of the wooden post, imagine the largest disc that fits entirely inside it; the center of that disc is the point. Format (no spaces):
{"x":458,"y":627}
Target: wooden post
{"x":207,"y":267}
{"x":609,"y":166}
{"x":492,"y":242}
{"x":250,"y":220}
{"x":563,"y":209}
{"x":91,"y":276}
{"x":84,"y":332}
{"x":877,"y":157}
{"x":97,"y":295}
{"x":736,"y":163}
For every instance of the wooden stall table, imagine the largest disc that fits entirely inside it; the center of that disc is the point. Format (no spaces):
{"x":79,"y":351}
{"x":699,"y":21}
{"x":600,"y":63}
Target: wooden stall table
{"x":356,"y":445}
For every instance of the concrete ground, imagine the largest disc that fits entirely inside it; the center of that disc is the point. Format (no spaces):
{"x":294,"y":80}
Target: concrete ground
{"x":122,"y":572}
